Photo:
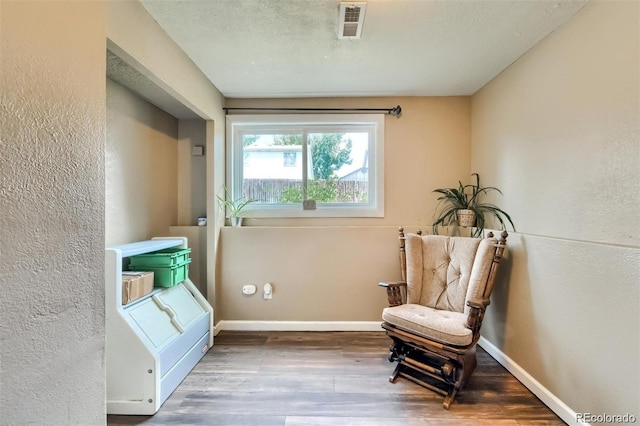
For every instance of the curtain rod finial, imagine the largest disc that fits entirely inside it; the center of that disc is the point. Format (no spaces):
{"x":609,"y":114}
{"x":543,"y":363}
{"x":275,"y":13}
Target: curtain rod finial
{"x":397,"y":111}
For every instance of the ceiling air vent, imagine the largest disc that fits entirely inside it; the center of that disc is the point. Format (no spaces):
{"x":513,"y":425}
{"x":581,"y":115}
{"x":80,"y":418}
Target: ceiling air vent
{"x":351,"y":19}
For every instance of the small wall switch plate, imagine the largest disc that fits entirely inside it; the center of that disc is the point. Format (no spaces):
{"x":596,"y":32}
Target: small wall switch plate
{"x":268,"y":291}
{"x":249,"y":289}
{"x":197,"y":151}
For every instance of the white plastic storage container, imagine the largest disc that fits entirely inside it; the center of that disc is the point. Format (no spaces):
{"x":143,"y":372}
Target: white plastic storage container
{"x":153,"y":342}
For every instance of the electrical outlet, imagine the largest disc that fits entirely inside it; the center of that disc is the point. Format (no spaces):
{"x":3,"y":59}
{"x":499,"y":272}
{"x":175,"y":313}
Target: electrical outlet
{"x":197,"y":151}
{"x":249,"y":289}
{"x":268,"y":291}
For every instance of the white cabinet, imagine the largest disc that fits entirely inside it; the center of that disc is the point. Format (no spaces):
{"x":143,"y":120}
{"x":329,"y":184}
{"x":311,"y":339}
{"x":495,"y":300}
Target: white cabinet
{"x":154,"y":342}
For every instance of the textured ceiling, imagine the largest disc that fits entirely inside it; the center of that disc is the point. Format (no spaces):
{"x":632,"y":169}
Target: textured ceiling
{"x":289,"y":48}
{"x":122,"y":72}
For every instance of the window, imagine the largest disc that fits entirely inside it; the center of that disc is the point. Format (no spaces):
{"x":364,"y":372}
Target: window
{"x":308,"y":165}
{"x":289,"y":159}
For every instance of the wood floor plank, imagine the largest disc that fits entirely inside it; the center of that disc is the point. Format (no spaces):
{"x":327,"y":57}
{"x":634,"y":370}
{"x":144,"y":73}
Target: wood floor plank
{"x":266,"y":382}
{"x":376,"y":383}
{"x":302,"y":403}
{"x":390,"y":421}
{"x":188,"y":419}
{"x":332,"y":378}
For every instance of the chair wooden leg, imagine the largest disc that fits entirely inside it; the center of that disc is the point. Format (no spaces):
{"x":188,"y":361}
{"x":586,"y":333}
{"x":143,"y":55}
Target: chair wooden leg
{"x":448,"y":400}
{"x":468,"y":364}
{"x":395,"y":373}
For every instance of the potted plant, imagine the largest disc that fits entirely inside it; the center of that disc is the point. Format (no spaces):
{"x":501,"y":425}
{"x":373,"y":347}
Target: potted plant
{"x":235,"y":208}
{"x":464,"y":205}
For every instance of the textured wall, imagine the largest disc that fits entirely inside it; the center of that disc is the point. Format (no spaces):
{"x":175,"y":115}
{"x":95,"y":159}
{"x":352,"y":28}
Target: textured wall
{"x":52,"y":213}
{"x":559,"y":133}
{"x":141,"y":168}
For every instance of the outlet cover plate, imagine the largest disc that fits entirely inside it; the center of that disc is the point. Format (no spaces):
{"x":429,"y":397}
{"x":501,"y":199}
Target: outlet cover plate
{"x":249,"y":289}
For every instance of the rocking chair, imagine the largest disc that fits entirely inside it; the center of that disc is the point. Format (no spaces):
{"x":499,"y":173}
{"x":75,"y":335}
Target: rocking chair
{"x":435,"y":312}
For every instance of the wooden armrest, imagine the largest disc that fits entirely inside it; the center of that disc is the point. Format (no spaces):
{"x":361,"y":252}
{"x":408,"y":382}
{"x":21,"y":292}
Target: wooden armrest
{"x":476,"y":313}
{"x":478,"y":303}
{"x":392,"y":284}
{"x":394,"y":291}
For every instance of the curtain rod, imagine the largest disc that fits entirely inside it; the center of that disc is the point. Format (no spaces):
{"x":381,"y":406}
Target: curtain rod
{"x":397,"y":111}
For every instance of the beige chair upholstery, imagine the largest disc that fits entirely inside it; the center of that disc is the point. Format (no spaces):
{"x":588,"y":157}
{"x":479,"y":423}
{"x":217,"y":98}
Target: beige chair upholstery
{"x":435,"y":313}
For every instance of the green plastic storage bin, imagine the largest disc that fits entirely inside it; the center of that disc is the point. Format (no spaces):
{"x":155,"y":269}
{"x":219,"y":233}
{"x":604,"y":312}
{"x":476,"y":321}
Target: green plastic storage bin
{"x":165,"y":276}
{"x":167,"y":257}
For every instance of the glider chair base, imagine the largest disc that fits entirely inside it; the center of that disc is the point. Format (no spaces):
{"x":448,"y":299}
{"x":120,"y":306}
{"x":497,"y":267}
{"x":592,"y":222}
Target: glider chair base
{"x":439,"y":368}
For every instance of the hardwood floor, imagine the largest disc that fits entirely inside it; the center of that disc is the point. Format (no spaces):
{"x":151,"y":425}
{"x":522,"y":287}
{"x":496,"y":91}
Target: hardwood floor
{"x":331,"y":378}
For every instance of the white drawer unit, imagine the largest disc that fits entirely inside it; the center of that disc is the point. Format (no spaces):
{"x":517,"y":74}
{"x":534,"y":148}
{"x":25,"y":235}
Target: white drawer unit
{"x":154,"y":342}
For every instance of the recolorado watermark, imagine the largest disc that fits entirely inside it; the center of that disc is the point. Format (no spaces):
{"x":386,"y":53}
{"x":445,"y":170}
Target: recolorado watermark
{"x":605,"y":418}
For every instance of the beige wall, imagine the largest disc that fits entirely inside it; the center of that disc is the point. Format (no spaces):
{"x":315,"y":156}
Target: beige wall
{"x":318,"y":273}
{"x":192,"y":176}
{"x":328,"y":269}
{"x":426,"y":148}
{"x":559,"y":133}
{"x":52,"y":212}
{"x":141,"y":168}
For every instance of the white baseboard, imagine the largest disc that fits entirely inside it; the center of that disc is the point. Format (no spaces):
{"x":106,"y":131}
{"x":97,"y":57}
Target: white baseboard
{"x":549,"y":399}
{"x":238,"y":325}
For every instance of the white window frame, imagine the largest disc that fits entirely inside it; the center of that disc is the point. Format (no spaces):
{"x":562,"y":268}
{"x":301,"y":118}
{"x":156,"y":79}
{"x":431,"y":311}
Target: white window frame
{"x":373,"y":122}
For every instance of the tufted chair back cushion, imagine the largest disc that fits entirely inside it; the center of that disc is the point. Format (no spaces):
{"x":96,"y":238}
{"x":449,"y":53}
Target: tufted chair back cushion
{"x":444,"y":272}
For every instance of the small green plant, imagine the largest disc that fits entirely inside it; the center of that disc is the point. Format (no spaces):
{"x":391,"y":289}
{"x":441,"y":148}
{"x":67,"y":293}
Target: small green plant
{"x":236,"y":207}
{"x":323,"y":191}
{"x":468,"y":197}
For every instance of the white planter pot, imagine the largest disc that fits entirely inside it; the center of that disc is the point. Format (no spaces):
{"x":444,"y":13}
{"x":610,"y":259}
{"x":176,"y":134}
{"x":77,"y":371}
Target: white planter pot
{"x":236,"y":221}
{"x":466,"y":218}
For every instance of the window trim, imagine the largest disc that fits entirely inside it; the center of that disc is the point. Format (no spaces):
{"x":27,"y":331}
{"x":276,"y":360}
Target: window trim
{"x":375,"y":206}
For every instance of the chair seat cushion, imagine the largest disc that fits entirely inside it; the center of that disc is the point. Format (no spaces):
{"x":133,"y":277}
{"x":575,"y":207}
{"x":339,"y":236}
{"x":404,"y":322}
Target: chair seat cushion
{"x":444,"y":326}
